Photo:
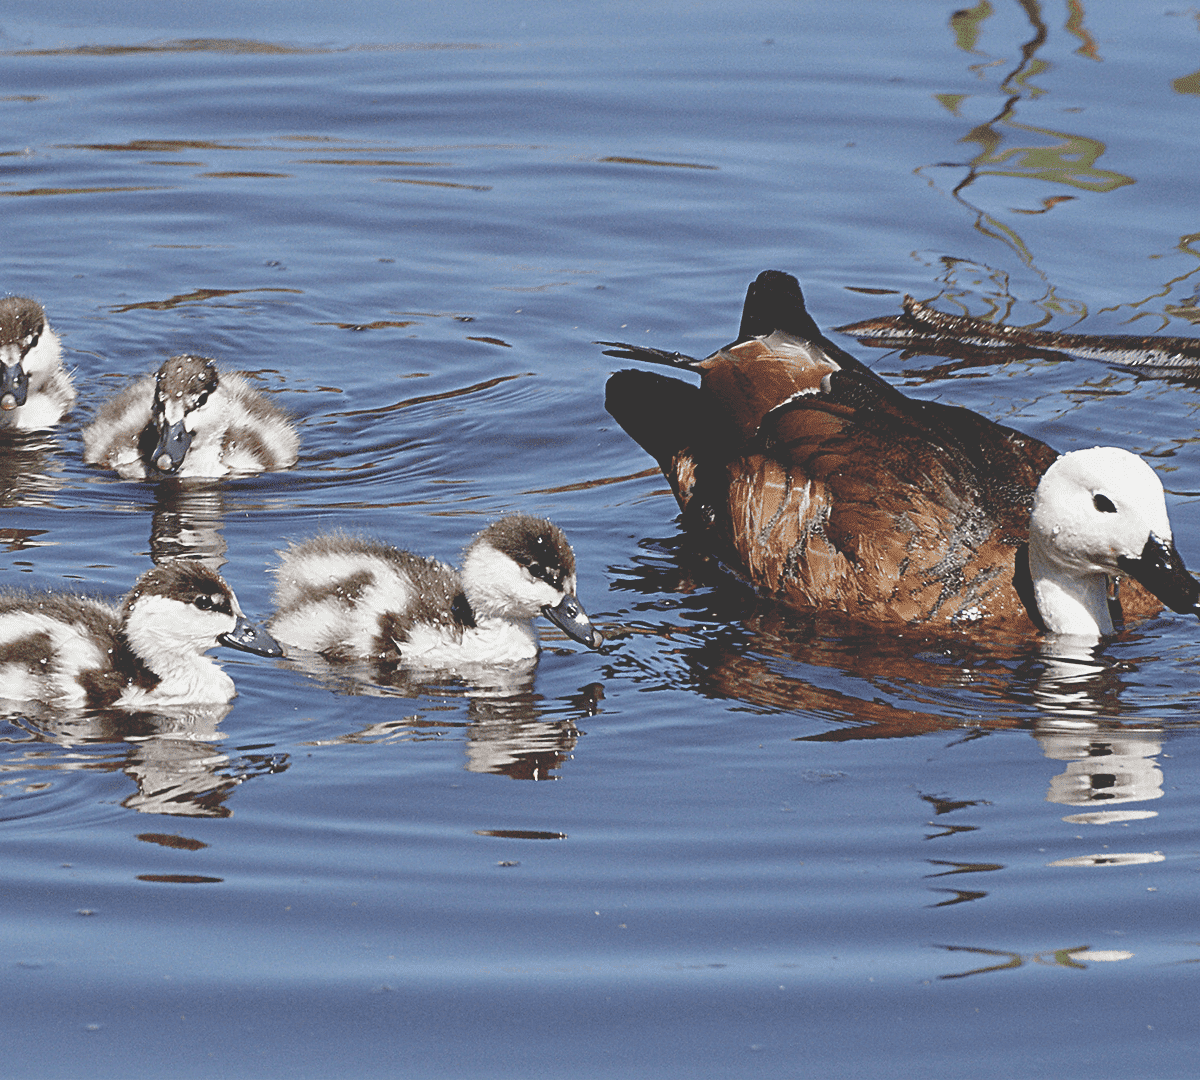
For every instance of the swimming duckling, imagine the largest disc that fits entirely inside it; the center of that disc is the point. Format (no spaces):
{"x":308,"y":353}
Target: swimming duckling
{"x":189,"y":419}
{"x":347,"y":597}
{"x":73,"y":650}
{"x":35,"y":389}
{"x":827,"y":488}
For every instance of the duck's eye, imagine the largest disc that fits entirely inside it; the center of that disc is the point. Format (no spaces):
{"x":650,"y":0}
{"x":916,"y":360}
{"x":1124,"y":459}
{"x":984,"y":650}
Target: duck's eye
{"x":1103,"y":503}
{"x":204,"y":602}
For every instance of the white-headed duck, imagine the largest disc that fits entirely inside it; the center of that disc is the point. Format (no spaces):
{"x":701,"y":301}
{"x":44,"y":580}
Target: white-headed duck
{"x":827,"y":488}
{"x":190,"y":419}
{"x":347,"y":597}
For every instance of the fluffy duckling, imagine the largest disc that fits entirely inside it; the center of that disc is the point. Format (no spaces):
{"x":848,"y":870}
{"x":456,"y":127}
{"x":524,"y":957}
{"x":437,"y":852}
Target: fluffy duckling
{"x":76,"y":651}
{"x":35,"y":389}
{"x":827,"y":488}
{"x":352,"y":598}
{"x":189,"y":419}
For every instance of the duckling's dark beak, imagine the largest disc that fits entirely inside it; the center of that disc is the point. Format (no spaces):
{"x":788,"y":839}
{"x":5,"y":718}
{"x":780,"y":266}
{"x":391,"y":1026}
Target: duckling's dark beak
{"x":568,"y":615}
{"x":14,"y":385}
{"x":249,"y":638}
{"x":173,"y":443}
{"x":1161,"y":570}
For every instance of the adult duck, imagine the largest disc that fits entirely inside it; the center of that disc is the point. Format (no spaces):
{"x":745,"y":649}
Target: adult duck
{"x":826,"y":488}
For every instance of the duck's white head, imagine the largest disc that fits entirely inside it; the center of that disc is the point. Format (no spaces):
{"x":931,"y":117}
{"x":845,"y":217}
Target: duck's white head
{"x":27,"y":345}
{"x":182,"y":389}
{"x":182,"y":609}
{"x":1098,"y":513}
{"x":520,"y":567}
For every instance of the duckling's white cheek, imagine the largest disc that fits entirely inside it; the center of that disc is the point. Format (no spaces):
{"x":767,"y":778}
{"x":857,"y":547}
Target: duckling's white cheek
{"x":542,"y":592}
{"x":158,"y":624}
{"x":45,"y":354}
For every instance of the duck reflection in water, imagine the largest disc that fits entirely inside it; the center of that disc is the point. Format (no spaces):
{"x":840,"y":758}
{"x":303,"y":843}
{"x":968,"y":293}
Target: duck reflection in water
{"x":1106,"y":767}
{"x":725,"y":641}
{"x":174,"y":758}
{"x":509,"y":728}
{"x":188,"y":522}
{"x":31,"y":471}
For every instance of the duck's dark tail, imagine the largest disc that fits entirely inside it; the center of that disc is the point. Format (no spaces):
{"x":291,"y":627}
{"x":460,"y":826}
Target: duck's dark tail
{"x":774,"y":302}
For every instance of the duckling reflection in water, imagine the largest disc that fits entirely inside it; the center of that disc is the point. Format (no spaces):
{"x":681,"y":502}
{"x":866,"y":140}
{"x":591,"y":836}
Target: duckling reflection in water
{"x":828,"y":489}
{"x":69,"y":650}
{"x":190,"y":419}
{"x":35,"y":389}
{"x":347,"y":597}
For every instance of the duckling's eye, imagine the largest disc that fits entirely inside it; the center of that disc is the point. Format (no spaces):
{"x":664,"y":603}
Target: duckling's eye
{"x":204,"y":602}
{"x":1104,"y":504}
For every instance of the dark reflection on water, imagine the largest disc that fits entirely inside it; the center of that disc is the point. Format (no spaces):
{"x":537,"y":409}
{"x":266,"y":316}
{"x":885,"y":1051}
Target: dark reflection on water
{"x":187,"y":521}
{"x":1079,"y":957}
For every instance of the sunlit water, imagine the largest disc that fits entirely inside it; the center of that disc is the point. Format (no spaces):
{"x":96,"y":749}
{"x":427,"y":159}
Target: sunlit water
{"x":732,"y":843}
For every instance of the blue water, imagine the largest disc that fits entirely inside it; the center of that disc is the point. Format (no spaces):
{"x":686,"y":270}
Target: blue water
{"x":734,"y":842}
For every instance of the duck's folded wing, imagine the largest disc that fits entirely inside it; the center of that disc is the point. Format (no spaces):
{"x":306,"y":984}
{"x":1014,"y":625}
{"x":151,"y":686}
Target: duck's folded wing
{"x":886,"y":505}
{"x":681,"y":427}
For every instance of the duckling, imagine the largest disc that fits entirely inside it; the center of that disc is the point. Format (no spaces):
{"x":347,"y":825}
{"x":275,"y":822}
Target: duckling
{"x":189,"y":419}
{"x":35,"y":389}
{"x":348,"y":597}
{"x":69,"y":650}
{"x":827,"y":488}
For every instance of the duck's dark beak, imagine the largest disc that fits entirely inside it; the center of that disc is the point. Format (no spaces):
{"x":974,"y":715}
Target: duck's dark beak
{"x":250,"y":638}
{"x":173,"y":443}
{"x":14,"y":385}
{"x":568,"y":615}
{"x":1161,"y":570}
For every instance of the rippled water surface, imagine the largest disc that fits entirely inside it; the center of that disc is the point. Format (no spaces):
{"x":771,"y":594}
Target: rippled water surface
{"x":733,"y":842}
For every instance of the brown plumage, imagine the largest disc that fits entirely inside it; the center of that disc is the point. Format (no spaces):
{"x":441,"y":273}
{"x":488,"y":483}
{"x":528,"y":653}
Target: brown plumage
{"x":827,"y":488}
